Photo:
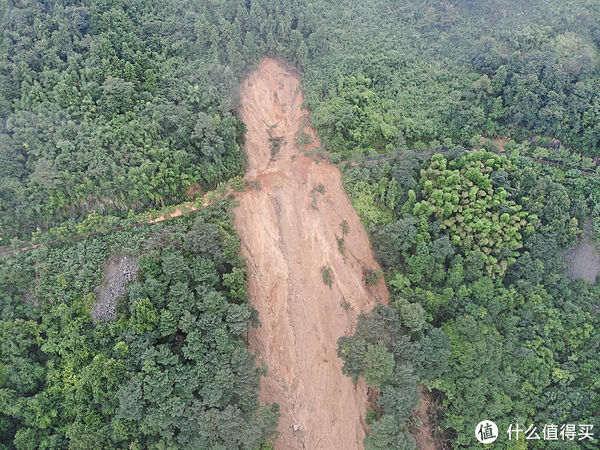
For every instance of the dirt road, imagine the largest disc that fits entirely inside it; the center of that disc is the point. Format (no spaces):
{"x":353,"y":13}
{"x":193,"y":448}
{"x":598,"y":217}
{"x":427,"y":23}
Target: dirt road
{"x":290,"y":228}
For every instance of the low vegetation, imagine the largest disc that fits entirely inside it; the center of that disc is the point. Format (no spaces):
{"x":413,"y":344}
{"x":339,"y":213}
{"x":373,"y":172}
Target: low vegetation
{"x":326,"y":275}
{"x":275,"y":144}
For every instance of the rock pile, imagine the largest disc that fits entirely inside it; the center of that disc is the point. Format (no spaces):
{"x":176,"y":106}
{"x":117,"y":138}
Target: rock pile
{"x":118,"y":272}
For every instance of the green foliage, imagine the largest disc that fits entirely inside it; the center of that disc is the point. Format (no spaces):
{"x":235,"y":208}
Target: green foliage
{"x":319,"y":188}
{"x":372,"y":276}
{"x":275,"y":144}
{"x":492,"y":343}
{"x":387,"y":433}
{"x":372,"y":416}
{"x":341,"y":244}
{"x":386,"y":351}
{"x":155,"y":114}
{"x":379,"y":365}
{"x":238,"y":184}
{"x":115,"y":106}
{"x":171,"y":371}
{"x":326,"y":275}
{"x":303,"y":139}
{"x":345,"y":227}
{"x":480,"y":217}
{"x":355,"y":118}
{"x":267,"y":445}
{"x":118,"y":105}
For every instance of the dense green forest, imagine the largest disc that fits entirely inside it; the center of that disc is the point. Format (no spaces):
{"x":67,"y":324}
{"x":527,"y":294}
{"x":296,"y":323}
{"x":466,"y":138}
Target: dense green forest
{"x":171,"y":371}
{"x":115,"y":105}
{"x":109,"y":106}
{"x":482,"y":310}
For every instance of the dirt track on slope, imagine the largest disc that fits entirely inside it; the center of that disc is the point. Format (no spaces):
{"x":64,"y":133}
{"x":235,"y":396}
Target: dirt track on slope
{"x":288,"y":231}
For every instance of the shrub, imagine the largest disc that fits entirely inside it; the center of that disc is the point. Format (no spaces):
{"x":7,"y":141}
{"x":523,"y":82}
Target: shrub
{"x":326,"y":274}
{"x":372,"y":276}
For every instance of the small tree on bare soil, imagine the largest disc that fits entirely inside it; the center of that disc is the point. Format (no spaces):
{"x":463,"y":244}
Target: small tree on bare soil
{"x":326,"y":274}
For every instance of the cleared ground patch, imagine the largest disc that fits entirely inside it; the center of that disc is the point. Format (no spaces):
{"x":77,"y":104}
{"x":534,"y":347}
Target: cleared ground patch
{"x":118,"y":271}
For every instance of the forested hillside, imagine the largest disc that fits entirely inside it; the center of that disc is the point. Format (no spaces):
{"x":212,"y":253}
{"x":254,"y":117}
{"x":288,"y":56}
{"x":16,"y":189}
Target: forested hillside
{"x":112,"y":107}
{"x":410,"y":74}
{"x":117,"y":105}
{"x":482,"y":310}
{"x":170,"y":371}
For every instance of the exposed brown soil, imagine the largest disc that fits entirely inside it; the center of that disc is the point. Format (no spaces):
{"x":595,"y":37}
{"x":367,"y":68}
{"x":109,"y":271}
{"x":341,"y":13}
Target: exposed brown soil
{"x":180,"y":210}
{"x":194,"y":191}
{"x":288,"y":226}
{"x":425,"y":438}
{"x":500,"y":142}
{"x":175,"y":213}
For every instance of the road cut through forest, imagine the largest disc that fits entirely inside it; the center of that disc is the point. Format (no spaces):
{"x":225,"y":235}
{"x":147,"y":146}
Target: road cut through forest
{"x":307,"y":274}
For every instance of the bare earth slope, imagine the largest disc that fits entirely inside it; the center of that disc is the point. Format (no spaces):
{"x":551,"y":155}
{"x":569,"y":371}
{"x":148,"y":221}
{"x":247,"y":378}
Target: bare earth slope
{"x":287,"y":237}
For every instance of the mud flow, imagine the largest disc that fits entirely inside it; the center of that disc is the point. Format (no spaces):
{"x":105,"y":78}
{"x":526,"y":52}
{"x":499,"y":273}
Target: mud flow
{"x":307,"y":287}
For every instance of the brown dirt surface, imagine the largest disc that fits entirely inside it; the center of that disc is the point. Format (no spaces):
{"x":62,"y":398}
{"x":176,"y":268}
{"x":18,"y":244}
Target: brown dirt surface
{"x":118,"y":271}
{"x":195,"y":191}
{"x":500,"y":142}
{"x":175,"y":213}
{"x":583,"y":260}
{"x":180,"y":210}
{"x":423,"y":432}
{"x":289,"y":228}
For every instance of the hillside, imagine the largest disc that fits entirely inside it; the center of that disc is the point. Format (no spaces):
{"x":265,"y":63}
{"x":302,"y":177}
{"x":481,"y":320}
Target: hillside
{"x":290,"y":225}
{"x":298,"y":223}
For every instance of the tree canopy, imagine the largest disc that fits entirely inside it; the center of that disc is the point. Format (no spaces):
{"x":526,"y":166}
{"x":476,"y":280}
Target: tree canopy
{"x":472,"y":245}
{"x":171,"y":371}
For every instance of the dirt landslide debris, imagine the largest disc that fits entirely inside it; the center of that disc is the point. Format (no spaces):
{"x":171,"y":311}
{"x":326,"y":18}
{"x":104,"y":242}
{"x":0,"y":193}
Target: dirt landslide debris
{"x":290,"y":227}
{"x":118,"y":271}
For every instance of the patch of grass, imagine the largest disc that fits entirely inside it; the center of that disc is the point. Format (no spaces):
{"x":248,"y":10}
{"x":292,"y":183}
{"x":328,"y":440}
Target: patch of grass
{"x":319,"y":188}
{"x":275,"y":144}
{"x":313,"y":203}
{"x":345,"y":227}
{"x":322,"y":153}
{"x":233,"y":203}
{"x":326,"y":274}
{"x":254,"y":184}
{"x":303,"y":139}
{"x":341,"y":245}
